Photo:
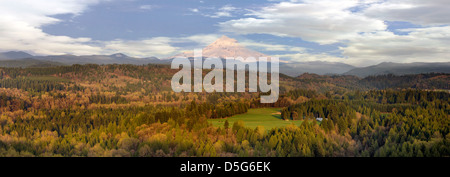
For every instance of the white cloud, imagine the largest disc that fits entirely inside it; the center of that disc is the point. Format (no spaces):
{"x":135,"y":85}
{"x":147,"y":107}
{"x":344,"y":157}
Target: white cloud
{"x":22,"y":21}
{"x":225,"y":11}
{"x":358,"y":26}
{"x":159,"y":46}
{"x":194,"y":10}
{"x":321,"y":21}
{"x":420,"y":12}
{"x":200,"y":39}
{"x":271,"y":47}
{"x":420,"y":45}
{"x":146,"y":7}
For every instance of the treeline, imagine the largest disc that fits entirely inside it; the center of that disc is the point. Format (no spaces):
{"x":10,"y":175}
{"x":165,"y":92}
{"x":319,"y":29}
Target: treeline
{"x":418,"y":81}
{"x":324,"y":83}
{"x":219,"y":110}
{"x":32,"y":85}
{"x":103,"y":99}
{"x":56,"y":70}
{"x":336,"y":113}
{"x":296,"y":93}
{"x":407,"y":96}
{"x":382,"y":129}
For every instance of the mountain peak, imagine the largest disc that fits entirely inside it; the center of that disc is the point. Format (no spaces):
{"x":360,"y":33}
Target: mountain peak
{"x":400,"y":69}
{"x":225,"y":40}
{"x":225,"y":47}
{"x":119,"y":55}
{"x":225,"y":37}
{"x":224,"y":43}
{"x":14,"y":55}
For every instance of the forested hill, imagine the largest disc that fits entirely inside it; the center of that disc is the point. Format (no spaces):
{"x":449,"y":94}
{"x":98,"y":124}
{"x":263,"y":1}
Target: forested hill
{"x":432,"y":81}
{"x":27,"y":62}
{"x":130,"y":110}
{"x":156,"y":78}
{"x":400,"y":69}
{"x":416,"y":81}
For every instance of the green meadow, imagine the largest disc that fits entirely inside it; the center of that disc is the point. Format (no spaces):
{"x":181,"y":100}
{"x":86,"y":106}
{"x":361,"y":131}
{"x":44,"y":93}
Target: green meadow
{"x":267,"y":117}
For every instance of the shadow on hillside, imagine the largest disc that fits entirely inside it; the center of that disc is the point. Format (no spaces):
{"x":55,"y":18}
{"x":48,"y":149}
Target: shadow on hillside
{"x":278,"y":116}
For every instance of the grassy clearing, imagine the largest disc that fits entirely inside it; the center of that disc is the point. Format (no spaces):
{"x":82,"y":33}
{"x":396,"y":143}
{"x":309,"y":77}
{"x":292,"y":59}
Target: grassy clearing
{"x":267,"y":117}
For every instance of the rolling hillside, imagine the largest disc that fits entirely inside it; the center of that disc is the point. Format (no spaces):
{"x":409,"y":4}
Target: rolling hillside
{"x":400,"y":69}
{"x":27,"y":62}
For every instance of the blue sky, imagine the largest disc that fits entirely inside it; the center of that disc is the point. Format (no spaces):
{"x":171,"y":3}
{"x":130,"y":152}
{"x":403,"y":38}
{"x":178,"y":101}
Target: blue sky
{"x":358,"y":32}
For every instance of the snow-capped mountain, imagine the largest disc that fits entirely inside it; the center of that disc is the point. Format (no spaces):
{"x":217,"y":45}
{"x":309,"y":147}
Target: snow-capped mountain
{"x":224,"y":47}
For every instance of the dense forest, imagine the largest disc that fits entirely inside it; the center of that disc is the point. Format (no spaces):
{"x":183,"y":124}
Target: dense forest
{"x":129,"y":110}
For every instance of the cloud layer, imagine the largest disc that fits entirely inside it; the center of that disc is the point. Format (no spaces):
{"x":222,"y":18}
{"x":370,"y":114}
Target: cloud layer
{"x":429,"y":12}
{"x":22,"y":21}
{"x":358,"y":27}
{"x":321,"y":21}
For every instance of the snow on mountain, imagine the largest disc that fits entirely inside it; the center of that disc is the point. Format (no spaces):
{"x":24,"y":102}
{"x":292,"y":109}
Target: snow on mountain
{"x":225,"y":47}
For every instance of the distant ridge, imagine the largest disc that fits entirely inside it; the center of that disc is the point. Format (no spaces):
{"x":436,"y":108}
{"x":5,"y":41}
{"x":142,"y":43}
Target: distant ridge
{"x":14,"y":55}
{"x":400,"y":69}
{"x":228,"y":47}
{"x":317,"y":67}
{"x":117,"y":58}
{"x":27,"y":63}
